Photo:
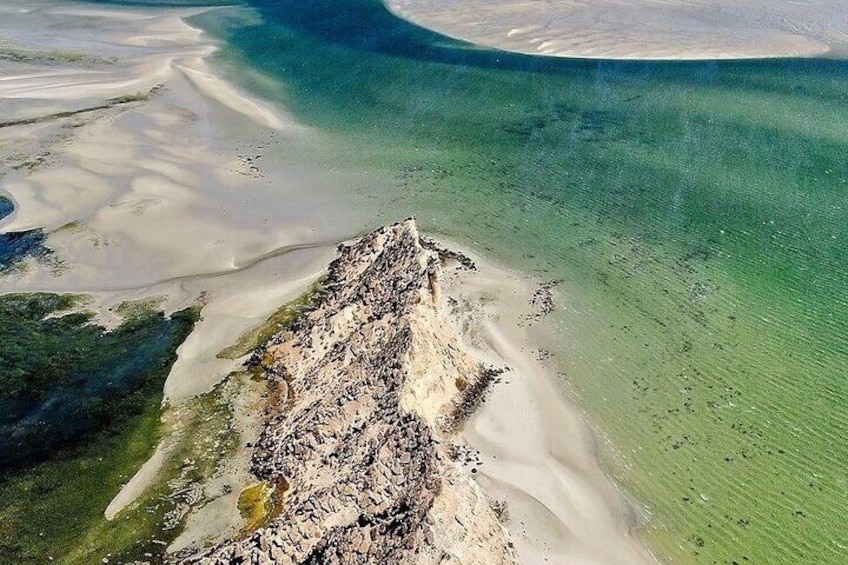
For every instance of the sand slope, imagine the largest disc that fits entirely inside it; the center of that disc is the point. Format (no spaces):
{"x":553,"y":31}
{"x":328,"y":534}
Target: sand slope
{"x":534,"y":450}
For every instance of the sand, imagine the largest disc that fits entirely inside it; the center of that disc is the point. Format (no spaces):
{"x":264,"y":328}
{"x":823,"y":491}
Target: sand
{"x":188,"y":193}
{"x":535,"y":449}
{"x":640,"y":29}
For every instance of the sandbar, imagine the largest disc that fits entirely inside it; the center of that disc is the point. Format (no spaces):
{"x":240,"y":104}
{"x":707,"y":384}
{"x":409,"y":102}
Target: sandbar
{"x":640,"y":29}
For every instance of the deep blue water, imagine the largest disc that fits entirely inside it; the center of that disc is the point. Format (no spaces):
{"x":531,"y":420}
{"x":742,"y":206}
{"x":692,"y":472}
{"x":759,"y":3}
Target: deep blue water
{"x":16,"y":246}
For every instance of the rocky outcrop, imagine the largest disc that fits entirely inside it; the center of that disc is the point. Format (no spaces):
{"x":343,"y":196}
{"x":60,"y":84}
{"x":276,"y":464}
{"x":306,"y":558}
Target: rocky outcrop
{"x":368,"y":388}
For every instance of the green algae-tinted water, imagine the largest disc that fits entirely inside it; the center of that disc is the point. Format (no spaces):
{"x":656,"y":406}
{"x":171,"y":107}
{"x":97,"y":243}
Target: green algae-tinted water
{"x":79,"y":414}
{"x":695,"y":212}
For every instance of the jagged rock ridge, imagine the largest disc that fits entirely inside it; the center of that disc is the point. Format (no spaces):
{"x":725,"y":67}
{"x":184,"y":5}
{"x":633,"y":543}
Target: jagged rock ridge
{"x":368,"y":386}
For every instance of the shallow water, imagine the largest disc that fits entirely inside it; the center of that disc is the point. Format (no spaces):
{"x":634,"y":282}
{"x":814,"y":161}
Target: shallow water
{"x":17,"y":246}
{"x":694,"y":212}
{"x":79,"y":413}
{"x":6,"y":207}
{"x":63,"y":378}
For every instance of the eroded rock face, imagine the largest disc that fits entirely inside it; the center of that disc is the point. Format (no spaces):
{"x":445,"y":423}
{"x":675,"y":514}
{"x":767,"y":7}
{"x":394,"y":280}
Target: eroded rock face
{"x":369,"y":385}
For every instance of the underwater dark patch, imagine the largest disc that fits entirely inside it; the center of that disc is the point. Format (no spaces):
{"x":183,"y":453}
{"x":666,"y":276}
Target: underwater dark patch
{"x":6,"y":207}
{"x":16,"y":246}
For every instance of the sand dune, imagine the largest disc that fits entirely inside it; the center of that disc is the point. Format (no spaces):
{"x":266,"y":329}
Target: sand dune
{"x":640,"y":29}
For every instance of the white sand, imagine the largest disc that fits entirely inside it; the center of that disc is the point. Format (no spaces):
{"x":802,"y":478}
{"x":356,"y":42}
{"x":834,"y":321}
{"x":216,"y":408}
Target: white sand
{"x":538,"y":454}
{"x":640,"y":29}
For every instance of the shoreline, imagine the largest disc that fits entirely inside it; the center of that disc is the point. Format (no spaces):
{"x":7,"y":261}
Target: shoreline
{"x":136,"y":201}
{"x":134,"y":211}
{"x":605,"y":30}
{"x":534,"y":449}
{"x":112,"y":190}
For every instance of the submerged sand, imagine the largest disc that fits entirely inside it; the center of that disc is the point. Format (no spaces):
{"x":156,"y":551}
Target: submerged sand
{"x":154,"y":177}
{"x":640,"y":29}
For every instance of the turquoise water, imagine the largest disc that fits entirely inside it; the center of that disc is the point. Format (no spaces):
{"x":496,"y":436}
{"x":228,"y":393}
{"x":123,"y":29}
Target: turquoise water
{"x":694,"y":212}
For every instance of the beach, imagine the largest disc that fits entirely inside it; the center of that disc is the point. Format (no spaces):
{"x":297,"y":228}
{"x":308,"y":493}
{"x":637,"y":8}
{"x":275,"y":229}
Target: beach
{"x":142,"y":168}
{"x":535,"y":450}
{"x":163,"y":195}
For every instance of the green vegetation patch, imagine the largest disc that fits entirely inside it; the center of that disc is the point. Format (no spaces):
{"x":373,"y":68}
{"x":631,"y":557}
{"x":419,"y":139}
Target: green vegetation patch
{"x":136,"y":308}
{"x":79,"y":414}
{"x":56,"y":508}
{"x":198,"y":436}
{"x":260,"y":503}
{"x":52,"y":501}
{"x":47,"y":507}
{"x":128,"y":98}
{"x":52,"y":57}
{"x":63,"y":377}
{"x":118,"y":101}
{"x":254,"y":504}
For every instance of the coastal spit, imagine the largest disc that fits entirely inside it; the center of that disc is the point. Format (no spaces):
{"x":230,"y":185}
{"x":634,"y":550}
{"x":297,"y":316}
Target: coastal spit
{"x":359,"y":456}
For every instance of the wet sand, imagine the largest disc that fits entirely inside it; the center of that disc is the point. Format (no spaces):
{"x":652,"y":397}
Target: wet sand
{"x":640,"y":29}
{"x":184,"y":190}
{"x":532,"y":448}
{"x":156,"y":180}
